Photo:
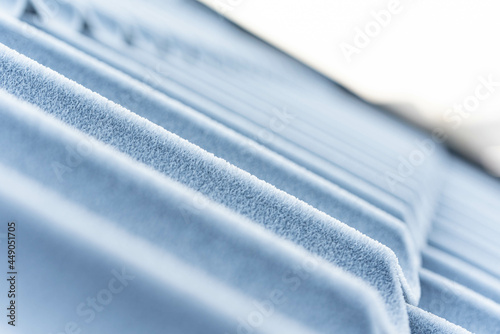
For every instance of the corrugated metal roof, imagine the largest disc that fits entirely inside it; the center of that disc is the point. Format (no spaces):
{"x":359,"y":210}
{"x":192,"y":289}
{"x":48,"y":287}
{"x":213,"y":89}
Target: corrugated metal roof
{"x":179,"y":175}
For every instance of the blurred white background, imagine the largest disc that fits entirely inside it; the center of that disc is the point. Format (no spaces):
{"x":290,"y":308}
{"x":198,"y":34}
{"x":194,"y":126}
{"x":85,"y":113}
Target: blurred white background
{"x":435,"y":63}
